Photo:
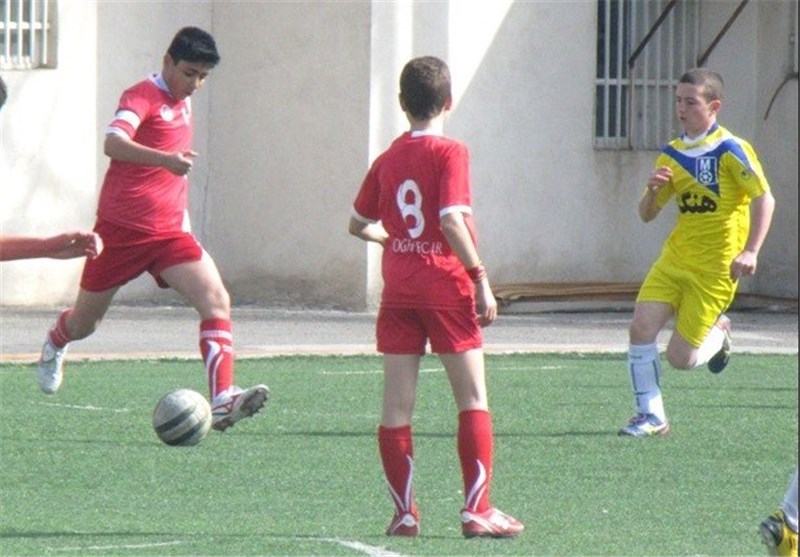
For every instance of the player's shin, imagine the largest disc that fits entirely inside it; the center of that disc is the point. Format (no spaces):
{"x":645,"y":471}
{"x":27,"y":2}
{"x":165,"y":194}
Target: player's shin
{"x":475,"y":445}
{"x":216,"y":347}
{"x":644,"y":365}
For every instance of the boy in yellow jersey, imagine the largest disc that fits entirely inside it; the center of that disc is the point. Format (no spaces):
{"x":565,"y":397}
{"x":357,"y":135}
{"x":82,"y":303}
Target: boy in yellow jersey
{"x":724,"y":212}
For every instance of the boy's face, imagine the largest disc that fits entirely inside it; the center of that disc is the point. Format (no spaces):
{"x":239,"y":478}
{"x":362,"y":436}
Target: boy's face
{"x":695,"y":113}
{"x":184,"y":78}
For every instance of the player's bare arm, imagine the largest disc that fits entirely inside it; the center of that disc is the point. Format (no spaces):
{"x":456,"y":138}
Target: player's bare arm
{"x":457,"y":234}
{"x":648,"y":208}
{"x":368,"y":232}
{"x":761,"y":210}
{"x":62,"y":246}
{"x":122,"y":148}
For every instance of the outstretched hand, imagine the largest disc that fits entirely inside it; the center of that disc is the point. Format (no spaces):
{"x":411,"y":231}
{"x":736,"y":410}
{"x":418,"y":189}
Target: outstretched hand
{"x":75,"y":244}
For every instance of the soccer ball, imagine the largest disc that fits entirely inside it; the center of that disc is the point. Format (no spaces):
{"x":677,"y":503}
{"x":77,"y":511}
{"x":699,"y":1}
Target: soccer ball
{"x":182,"y":417}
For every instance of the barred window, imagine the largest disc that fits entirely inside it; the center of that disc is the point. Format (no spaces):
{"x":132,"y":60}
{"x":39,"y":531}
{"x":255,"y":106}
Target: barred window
{"x":643,"y":47}
{"x":27,"y":34}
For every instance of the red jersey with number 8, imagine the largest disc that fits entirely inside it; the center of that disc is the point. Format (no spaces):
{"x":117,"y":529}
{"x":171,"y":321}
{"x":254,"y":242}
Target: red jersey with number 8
{"x":409,"y":188}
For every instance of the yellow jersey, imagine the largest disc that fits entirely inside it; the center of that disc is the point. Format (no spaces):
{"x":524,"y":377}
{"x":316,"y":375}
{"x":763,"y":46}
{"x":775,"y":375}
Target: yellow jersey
{"x":713,"y":180}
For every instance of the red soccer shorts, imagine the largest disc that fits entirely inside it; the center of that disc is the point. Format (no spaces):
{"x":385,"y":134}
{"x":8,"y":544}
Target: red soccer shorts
{"x":405,"y":331}
{"x":128,"y":253}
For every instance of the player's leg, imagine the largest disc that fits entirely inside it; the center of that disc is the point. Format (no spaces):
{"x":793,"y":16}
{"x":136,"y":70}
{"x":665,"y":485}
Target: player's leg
{"x":475,"y":443}
{"x":456,"y":337}
{"x":200,"y":284}
{"x":779,"y":531}
{"x":702,"y":330}
{"x":401,"y":339}
{"x":395,"y":439}
{"x":644,"y":368}
{"x":466,"y":373}
{"x":713,"y":350}
{"x":74,"y":323}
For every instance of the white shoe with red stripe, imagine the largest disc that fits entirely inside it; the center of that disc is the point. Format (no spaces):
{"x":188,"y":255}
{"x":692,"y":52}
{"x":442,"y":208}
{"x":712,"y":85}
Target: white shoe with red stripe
{"x":235,"y":403}
{"x":491,"y":523}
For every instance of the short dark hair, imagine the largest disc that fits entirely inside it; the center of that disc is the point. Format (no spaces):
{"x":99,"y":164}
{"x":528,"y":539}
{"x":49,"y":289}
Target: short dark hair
{"x":192,"y":44}
{"x":3,"y":92}
{"x":709,"y":80}
{"x":425,"y":87}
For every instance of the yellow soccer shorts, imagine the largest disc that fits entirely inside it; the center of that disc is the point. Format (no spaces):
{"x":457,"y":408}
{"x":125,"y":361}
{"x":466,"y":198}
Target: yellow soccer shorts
{"x":697,"y":298}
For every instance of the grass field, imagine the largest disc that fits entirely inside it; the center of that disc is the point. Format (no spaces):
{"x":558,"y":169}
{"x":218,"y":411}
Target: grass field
{"x":82,"y":472}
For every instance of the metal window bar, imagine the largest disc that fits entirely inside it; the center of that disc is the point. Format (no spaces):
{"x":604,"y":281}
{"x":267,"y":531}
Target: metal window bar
{"x":794,"y":38}
{"x":634,"y":97}
{"x":24,"y":34}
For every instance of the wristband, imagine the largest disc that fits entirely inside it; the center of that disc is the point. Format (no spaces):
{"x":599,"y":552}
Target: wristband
{"x":477,"y":273}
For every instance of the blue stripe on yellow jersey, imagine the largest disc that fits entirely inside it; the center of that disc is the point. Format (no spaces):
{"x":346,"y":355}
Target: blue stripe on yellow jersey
{"x":714,"y":178}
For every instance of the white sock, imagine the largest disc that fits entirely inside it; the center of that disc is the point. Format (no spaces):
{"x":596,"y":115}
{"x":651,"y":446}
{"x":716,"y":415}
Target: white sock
{"x":644,"y":364}
{"x":789,"y":506}
{"x":711,"y":345}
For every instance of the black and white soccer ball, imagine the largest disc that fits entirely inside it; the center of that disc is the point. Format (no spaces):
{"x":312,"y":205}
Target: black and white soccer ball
{"x":182,"y":417}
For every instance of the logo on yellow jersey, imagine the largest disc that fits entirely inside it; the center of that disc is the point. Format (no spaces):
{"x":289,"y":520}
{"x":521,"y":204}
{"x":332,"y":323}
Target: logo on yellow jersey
{"x":706,"y":170}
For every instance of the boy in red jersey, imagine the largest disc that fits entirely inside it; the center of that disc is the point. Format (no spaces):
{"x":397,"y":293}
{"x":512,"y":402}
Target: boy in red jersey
{"x":416,"y":202}
{"x":143,"y":220}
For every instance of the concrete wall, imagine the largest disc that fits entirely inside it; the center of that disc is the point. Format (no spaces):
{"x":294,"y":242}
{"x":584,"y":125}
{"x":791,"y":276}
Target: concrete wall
{"x":305,"y":98}
{"x":48,"y":137}
{"x":290,"y":125}
{"x":776,"y":119}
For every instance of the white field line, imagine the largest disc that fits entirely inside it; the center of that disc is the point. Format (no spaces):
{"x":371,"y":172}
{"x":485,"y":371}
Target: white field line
{"x":371,"y":550}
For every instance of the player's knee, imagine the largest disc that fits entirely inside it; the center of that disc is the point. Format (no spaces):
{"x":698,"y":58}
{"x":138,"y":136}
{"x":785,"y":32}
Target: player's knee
{"x":680,"y":360}
{"x":640,"y":334}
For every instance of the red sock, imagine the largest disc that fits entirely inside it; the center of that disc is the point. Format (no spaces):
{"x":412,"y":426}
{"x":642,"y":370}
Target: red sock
{"x":216,"y":346}
{"x":397,"y":454}
{"x":475,"y":442}
{"x":59,"y":334}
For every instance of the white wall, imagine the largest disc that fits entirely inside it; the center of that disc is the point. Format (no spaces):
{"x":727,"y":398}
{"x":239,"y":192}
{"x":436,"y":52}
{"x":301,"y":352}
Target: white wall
{"x":305,"y":98}
{"x":47,"y":153}
{"x":290,"y":123}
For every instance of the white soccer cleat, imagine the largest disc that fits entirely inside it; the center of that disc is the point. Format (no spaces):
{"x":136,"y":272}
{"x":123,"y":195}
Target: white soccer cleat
{"x":645,"y":425}
{"x":492,"y":523}
{"x":51,"y":367}
{"x":235,"y":403}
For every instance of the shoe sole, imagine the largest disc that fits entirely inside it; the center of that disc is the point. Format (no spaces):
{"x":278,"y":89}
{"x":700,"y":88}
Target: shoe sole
{"x":249,"y":407}
{"x":768,"y":539}
{"x":404,"y":532}
{"x":719,"y":361}
{"x":660,"y":433}
{"x":472,"y":535}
